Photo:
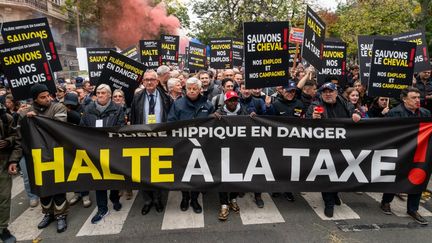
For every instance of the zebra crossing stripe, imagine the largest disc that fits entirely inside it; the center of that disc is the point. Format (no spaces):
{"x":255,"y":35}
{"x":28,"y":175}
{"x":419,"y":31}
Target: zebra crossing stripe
{"x":17,"y":186}
{"x":251,"y":214}
{"x":398,"y":206}
{"x":174,"y":218}
{"x":25,"y":226}
{"x":342,"y":212}
{"x":110,"y":224}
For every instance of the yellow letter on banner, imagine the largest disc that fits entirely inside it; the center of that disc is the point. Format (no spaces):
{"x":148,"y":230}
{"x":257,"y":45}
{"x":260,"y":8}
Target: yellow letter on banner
{"x":157,"y":164}
{"x":105,"y":163}
{"x":57,"y":165}
{"x":136,"y":154}
{"x":78,"y":168}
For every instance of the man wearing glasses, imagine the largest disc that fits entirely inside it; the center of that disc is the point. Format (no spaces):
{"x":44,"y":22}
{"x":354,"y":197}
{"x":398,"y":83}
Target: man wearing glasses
{"x":150,"y":106}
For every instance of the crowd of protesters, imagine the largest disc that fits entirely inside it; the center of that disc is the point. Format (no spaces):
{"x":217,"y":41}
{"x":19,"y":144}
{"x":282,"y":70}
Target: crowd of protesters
{"x":167,"y":95}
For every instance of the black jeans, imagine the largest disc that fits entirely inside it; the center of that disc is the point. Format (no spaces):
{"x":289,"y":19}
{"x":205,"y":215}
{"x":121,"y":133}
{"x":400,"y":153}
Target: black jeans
{"x":223,"y":197}
{"x":102,"y":198}
{"x":193,"y":196}
{"x":329,"y":198}
{"x":412,"y":202}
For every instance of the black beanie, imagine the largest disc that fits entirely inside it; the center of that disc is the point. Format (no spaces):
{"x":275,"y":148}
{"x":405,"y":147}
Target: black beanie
{"x":36,"y":89}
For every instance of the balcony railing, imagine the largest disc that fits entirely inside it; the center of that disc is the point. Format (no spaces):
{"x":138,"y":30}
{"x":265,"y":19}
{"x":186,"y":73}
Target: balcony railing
{"x":38,"y":4}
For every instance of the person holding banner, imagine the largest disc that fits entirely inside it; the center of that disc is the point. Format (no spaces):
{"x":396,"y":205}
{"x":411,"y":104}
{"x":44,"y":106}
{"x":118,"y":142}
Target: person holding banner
{"x":103,"y":113}
{"x":191,"y":106}
{"x":410,"y":107}
{"x":330,"y":105}
{"x":53,"y":207}
{"x":380,"y":107}
{"x":150,"y":106}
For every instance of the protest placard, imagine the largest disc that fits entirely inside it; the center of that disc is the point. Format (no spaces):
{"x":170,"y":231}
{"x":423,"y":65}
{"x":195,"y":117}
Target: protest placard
{"x":169,"y":49}
{"x":149,"y":52}
{"x":24,"y":64}
{"x":365,"y":44}
{"x":392,"y":67}
{"x":313,"y":39}
{"x":237,"y":52}
{"x":221,"y":53}
{"x":266,"y":59}
{"x":334,"y":63}
{"x":132,"y":53}
{"x":33,"y":29}
{"x":197,"y":57}
{"x":422,"y":62}
{"x":96,"y":58}
{"x":121,"y":72}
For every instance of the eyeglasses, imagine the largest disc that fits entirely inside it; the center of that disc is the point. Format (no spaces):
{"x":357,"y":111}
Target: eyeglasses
{"x":149,"y":80}
{"x":118,"y":96}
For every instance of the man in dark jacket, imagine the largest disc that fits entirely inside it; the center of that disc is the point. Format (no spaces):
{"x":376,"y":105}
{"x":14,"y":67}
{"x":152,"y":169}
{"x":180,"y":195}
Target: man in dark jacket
{"x":10,"y":154}
{"x":210,"y":90}
{"x":103,"y":113}
{"x":191,"y":106}
{"x":288,"y":105}
{"x":423,"y":82}
{"x":410,"y":107}
{"x":330,"y":105}
{"x":150,"y":106}
{"x":54,"y":207}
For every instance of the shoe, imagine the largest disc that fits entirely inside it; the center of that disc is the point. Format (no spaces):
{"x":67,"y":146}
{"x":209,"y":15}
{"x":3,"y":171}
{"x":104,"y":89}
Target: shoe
{"x":61,"y":223}
{"x":34,"y":202}
{"x":86,"y":201}
{"x":275,"y":194}
{"x":259,"y":202}
{"x":223,"y":212}
{"x":159,"y":206}
{"x":184,"y":205}
{"x":47,"y":219}
{"x":7,"y":237}
{"x":146,"y":209}
{"x":418,"y":218}
{"x":99,"y":216}
{"x":234,"y":206}
{"x":385,"y":207}
{"x":117,"y":206}
{"x":289,"y":196}
{"x":76,"y":198}
{"x":195,"y":206}
{"x":337,"y":200}
{"x":328,"y":211}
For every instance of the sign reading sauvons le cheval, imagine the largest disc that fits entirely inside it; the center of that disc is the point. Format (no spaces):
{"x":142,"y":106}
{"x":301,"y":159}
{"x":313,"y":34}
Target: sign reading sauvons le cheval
{"x":277,"y":154}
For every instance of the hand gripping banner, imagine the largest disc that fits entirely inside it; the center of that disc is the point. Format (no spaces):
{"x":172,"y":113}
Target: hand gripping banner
{"x":232,"y":154}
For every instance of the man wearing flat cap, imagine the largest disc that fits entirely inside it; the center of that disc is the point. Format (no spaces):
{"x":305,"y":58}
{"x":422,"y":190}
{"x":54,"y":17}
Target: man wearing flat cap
{"x":54,"y":207}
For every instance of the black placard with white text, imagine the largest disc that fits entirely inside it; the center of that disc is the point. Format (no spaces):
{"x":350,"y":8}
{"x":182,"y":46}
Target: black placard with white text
{"x":313,"y":39}
{"x":169,"y":50}
{"x":266,"y":59}
{"x":132,"y":53}
{"x":197,"y":57}
{"x":237,"y":52}
{"x":25,"y":64}
{"x":149,"y":52}
{"x":33,"y":29}
{"x":96,"y":58}
{"x":392,"y":67}
{"x":121,"y":72}
{"x":221,"y":53}
{"x":422,"y":61}
{"x":334,"y":62}
{"x":364,"y":46}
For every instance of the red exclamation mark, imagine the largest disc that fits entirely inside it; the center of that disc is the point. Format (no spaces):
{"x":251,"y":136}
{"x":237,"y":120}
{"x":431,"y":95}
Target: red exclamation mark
{"x":160,"y":60}
{"x":176,"y":55}
{"x":285,"y":46}
{"x":424,"y":54}
{"x":54,"y":55}
{"x":417,"y":175}
{"x":230,"y":56}
{"x":47,"y":72}
{"x":321,"y":52}
{"x":343,"y":67}
{"x":411,"y":57}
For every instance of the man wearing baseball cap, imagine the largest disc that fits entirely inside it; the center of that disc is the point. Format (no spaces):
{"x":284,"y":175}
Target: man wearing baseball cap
{"x":330,"y":105}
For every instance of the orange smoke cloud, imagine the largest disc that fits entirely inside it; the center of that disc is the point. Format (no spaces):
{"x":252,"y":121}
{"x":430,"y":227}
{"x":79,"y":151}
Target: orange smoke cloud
{"x":124,"y":25}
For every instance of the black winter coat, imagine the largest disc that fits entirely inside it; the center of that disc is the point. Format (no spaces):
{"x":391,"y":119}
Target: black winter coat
{"x":112,"y":116}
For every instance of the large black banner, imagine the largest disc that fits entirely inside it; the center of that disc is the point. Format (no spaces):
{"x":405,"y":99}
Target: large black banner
{"x":313,"y":39}
{"x":334,"y":62}
{"x":149,"y":51}
{"x":25,"y":64}
{"x":169,"y":49}
{"x":392,"y":67}
{"x":33,"y":29}
{"x":123,"y":73}
{"x":221,"y":53}
{"x":197,"y":57}
{"x":422,"y":62}
{"x":96,"y":58}
{"x":266,"y":59}
{"x":276,"y":154}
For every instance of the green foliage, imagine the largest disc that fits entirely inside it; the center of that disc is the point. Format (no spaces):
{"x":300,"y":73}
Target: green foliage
{"x":373,"y":17}
{"x":178,"y":9}
{"x":224,"y":18}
